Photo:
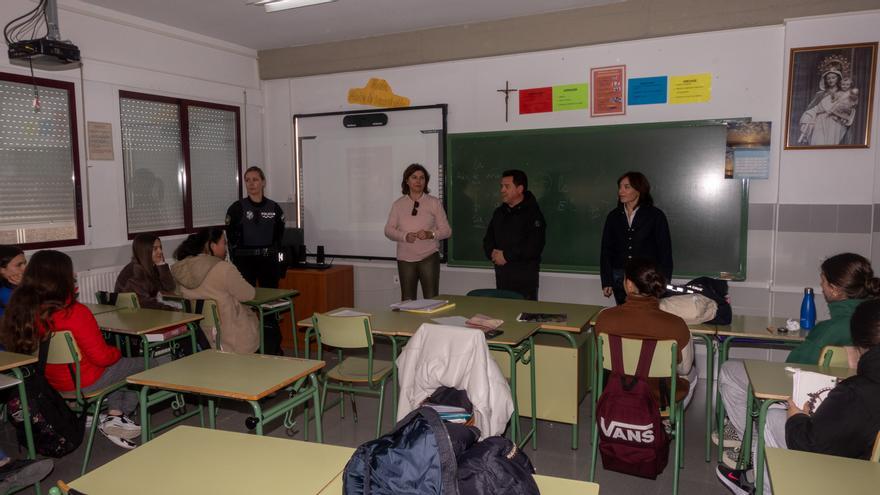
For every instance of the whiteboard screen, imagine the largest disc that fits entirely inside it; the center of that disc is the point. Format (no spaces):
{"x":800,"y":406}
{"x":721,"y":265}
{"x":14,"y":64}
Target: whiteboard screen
{"x":348,"y":177}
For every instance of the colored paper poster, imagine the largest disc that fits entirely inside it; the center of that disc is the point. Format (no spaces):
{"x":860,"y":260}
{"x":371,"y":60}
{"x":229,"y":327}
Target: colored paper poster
{"x":693,"y":88}
{"x":570,"y":97}
{"x":647,"y":90}
{"x":609,"y":91}
{"x":535,"y":100}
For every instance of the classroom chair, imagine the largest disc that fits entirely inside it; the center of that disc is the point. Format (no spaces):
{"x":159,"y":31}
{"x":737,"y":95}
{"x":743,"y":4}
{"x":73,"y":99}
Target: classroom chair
{"x":833,"y":355}
{"x":352,"y":374}
{"x":210,"y":324}
{"x":64,"y":350}
{"x":663,"y":365}
{"x":120,"y":300}
{"x":497,"y":293}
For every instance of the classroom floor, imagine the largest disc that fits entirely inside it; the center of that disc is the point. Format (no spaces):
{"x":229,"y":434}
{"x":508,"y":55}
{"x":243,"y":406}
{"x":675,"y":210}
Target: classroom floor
{"x":554,"y":456}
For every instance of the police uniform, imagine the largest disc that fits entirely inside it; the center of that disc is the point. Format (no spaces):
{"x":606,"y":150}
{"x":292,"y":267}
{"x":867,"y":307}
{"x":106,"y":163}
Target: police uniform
{"x":254,"y":232}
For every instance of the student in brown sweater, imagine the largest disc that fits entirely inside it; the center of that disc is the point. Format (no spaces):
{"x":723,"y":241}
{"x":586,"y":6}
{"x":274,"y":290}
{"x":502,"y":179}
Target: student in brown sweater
{"x":640,"y":317}
{"x":147,"y":274}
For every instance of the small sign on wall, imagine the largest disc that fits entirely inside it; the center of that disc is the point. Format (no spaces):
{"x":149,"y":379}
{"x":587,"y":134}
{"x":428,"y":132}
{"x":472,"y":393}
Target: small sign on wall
{"x":100,"y":138}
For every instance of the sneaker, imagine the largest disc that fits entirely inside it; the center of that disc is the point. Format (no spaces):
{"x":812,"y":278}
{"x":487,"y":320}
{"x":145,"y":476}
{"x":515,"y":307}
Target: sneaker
{"x":730,"y":457}
{"x":21,"y":473}
{"x":735,"y":480}
{"x":731,"y":439}
{"x":119,"y":426}
{"x":121,"y":442}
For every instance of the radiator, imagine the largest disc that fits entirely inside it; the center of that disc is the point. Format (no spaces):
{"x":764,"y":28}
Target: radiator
{"x":91,"y":281}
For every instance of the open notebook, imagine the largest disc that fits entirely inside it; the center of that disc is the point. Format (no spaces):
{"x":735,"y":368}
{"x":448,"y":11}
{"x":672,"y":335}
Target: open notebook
{"x":811,"y":388}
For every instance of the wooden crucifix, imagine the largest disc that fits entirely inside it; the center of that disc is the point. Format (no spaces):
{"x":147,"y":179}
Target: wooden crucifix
{"x":507,"y":90}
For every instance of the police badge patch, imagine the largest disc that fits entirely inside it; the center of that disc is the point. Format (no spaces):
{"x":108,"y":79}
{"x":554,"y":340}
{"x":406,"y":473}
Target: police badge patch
{"x":249,"y":214}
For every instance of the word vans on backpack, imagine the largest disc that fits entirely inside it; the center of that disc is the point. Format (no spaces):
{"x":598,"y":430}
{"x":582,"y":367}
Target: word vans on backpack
{"x":632,"y":438}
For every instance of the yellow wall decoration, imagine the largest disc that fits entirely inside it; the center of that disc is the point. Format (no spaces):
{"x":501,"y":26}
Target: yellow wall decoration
{"x":377,"y":93}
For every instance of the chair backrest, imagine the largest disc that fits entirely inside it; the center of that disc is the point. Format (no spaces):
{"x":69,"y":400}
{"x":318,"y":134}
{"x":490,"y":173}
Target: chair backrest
{"x":662,"y":365}
{"x":499,"y":293}
{"x":118,"y":299}
{"x":344,"y":332}
{"x":62,"y":348}
{"x":875,"y":453}
{"x":833,"y":355}
{"x":210,"y":322}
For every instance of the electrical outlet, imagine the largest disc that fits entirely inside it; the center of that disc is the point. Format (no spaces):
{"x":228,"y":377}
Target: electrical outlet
{"x":396,"y":280}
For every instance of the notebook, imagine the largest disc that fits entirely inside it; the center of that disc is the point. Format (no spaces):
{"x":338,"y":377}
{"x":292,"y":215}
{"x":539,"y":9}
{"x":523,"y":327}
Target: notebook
{"x":809,"y":389}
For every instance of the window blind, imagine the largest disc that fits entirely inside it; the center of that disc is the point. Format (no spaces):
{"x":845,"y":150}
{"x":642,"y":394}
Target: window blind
{"x":213,"y":163}
{"x":37,"y":180}
{"x":153,"y":164}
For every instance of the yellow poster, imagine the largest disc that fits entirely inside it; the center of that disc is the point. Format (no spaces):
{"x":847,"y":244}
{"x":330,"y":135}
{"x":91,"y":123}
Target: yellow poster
{"x":692,"y":88}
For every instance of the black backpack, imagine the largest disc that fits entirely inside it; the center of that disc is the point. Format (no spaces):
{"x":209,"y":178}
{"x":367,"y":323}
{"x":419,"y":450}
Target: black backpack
{"x":56,"y":428}
{"x":712,"y":288}
{"x":496,"y":465}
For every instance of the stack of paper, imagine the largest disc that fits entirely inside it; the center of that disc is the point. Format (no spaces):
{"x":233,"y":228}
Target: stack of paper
{"x":810,"y":389}
{"x":452,"y":414}
{"x":484,"y":322}
{"x":419,"y":304}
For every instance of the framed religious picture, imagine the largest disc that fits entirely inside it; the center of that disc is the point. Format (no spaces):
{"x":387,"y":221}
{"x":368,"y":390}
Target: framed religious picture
{"x":608,"y":87}
{"x":830,"y":96}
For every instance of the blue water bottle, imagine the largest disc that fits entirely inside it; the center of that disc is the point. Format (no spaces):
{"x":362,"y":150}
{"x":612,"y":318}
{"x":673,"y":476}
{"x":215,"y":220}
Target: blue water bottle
{"x":808,"y":310}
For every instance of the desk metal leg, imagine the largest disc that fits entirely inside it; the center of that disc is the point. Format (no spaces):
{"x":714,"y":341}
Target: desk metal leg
{"x":759,"y":462}
{"x":394,"y":389}
{"x":709,"y":341}
{"x":723,"y":350}
{"x":534,"y":395}
{"x":212,"y":416}
{"x":316,"y":398}
{"x":293,"y":326}
{"x":26,"y":416}
{"x":145,"y":415}
{"x":746,"y":448}
{"x":262,"y":330}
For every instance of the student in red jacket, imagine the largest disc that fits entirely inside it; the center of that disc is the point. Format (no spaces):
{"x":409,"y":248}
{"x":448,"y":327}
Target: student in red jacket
{"x":45,"y":302}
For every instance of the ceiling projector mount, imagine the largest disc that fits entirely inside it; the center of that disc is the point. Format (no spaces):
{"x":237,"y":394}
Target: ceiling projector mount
{"x":48,"y":52}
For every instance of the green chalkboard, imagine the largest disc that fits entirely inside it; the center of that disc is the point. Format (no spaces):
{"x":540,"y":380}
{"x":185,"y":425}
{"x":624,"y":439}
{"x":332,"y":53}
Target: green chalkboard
{"x":573,"y":172}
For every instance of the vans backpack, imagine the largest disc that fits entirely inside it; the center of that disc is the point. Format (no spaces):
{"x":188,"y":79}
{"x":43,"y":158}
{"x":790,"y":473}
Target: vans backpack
{"x":57,"y":430}
{"x":632,"y":438}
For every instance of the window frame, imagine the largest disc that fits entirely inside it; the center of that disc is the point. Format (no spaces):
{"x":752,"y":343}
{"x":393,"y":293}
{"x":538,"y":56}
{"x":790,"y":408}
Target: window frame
{"x":183,"y":105}
{"x":70,"y":88}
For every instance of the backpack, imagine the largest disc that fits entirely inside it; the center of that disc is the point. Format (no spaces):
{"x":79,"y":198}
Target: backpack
{"x":711,"y":288}
{"x":56,"y":428}
{"x":632,"y":438}
{"x":496,"y":465}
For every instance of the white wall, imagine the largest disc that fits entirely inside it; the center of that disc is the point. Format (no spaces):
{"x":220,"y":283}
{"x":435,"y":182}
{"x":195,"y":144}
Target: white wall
{"x":122,"y":52}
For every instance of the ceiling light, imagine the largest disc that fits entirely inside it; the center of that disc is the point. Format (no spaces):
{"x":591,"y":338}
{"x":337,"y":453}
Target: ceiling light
{"x":276,"y":5}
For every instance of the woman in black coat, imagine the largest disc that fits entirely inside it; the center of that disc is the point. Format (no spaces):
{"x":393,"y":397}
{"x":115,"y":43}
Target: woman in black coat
{"x":635,"y":229}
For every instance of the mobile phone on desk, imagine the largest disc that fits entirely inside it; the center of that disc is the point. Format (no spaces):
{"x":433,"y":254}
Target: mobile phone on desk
{"x":491,"y":334}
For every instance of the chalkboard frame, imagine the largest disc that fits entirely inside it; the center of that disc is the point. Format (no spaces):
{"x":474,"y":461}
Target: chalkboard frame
{"x":738,"y":274}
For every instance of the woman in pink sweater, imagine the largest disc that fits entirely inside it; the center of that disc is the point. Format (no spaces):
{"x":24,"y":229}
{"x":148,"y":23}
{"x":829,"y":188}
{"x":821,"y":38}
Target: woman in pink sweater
{"x":417,"y":222}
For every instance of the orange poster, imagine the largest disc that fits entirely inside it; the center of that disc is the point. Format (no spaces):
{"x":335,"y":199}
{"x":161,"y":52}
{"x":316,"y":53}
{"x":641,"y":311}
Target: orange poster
{"x":609,"y":91}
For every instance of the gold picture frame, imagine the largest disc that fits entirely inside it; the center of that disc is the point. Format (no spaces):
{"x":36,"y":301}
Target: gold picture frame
{"x":830,"y":96}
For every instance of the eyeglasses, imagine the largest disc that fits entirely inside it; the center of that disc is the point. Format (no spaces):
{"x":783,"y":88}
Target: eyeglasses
{"x":415,"y":210}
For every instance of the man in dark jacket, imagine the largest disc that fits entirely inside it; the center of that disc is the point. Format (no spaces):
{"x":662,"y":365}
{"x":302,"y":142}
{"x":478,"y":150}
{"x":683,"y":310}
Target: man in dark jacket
{"x":515,"y":237}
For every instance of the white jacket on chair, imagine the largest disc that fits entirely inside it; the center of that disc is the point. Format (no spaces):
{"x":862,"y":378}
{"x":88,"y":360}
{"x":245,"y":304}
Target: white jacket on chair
{"x":457,"y":357}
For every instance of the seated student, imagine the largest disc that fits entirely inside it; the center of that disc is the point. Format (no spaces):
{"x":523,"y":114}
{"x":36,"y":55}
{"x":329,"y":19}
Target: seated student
{"x":12,"y":264}
{"x":847,"y":279}
{"x":147,"y":273}
{"x":44,"y":302}
{"x":640,"y":317}
{"x":202,"y":272}
{"x":846,"y":422}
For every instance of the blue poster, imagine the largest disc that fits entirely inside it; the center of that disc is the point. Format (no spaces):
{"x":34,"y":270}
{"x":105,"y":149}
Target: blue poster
{"x":647,"y":90}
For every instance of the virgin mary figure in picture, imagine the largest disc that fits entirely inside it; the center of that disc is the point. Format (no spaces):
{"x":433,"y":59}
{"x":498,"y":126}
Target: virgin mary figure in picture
{"x":831,"y":111}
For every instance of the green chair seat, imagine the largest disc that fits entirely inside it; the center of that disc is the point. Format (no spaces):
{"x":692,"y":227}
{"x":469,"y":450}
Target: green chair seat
{"x":355,"y":369}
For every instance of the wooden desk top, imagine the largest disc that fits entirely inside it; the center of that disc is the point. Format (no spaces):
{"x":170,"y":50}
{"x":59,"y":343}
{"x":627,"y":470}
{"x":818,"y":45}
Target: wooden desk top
{"x":189,"y":460}
{"x":97,"y":309}
{"x":225,"y":374}
{"x":9,"y":360}
{"x":806,"y":473}
{"x":265,"y":295}
{"x":770,"y":380}
{"x":551,"y":485}
{"x":755,"y":327}
{"x":141,"y":321}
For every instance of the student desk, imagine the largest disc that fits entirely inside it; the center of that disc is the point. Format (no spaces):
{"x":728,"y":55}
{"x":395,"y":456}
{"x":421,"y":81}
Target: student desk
{"x":247,"y":377}
{"x":140,"y":322}
{"x":744,"y":329}
{"x":97,"y":309}
{"x":769,"y":382}
{"x":793,"y":472}
{"x":12,"y":362}
{"x":273,"y":301}
{"x":189,"y":460}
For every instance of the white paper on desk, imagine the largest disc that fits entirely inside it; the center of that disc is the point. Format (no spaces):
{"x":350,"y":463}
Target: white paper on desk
{"x":349,"y":312}
{"x":454,"y":321}
{"x":419,"y":304}
{"x":810,"y":389}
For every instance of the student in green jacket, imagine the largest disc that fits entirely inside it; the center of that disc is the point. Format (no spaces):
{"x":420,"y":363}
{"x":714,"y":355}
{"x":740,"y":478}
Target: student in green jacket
{"x":847,"y":280}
